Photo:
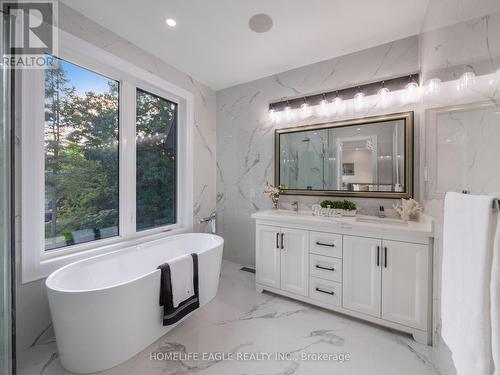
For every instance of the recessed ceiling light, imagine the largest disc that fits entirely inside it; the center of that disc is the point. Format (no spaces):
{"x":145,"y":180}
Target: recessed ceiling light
{"x":171,"y":22}
{"x":260,"y":23}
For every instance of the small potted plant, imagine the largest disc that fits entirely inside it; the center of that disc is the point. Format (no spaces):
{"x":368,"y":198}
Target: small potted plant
{"x":348,"y":208}
{"x":326,"y":207}
{"x":274,"y":193}
{"x":331,"y":208}
{"x":337,"y":208}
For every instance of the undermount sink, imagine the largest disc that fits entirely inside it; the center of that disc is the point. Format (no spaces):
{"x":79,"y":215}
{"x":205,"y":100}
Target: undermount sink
{"x":291,"y":212}
{"x":379,"y":220}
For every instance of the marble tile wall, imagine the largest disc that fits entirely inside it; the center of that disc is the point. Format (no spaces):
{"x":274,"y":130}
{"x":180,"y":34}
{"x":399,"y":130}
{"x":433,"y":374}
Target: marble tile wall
{"x":33,"y":318}
{"x":461,"y":126}
{"x":470,"y":45}
{"x":245,"y":135}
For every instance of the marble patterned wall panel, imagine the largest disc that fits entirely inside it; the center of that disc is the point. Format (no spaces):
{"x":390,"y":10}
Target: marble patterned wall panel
{"x":460,"y":125}
{"x":471,"y":45}
{"x":245,"y":135}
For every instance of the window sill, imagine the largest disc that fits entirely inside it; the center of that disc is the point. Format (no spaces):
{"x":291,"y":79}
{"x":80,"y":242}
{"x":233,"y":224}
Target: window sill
{"x":48,"y":263}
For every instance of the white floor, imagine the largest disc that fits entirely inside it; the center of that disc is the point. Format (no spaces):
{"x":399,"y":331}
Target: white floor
{"x":241,"y":321}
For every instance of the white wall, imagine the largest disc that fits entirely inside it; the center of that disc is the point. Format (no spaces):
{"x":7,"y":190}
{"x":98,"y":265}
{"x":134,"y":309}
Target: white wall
{"x":32,"y":314}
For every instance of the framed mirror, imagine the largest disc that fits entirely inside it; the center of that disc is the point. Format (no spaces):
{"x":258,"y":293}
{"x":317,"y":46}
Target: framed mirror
{"x":370,"y":157}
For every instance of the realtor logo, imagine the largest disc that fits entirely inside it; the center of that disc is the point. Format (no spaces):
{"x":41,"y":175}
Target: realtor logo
{"x":32,"y":33}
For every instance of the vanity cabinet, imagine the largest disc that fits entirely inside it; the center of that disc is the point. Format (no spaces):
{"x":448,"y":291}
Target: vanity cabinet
{"x":267,"y":256}
{"x":405,"y":283}
{"x":362,"y":275}
{"x":379,"y":273}
{"x":387,"y":279}
{"x":282,"y":258}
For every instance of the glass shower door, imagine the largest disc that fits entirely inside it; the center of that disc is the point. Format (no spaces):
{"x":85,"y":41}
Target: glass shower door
{"x":5,"y":199}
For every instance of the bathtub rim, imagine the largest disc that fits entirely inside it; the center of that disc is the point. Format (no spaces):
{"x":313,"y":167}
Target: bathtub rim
{"x":63,"y":268}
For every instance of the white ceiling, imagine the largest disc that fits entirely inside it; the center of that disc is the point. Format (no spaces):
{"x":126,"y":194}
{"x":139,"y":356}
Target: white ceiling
{"x":213,"y":43}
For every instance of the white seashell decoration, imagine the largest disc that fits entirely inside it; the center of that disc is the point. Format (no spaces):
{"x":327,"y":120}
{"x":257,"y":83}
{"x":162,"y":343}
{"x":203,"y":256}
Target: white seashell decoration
{"x":408,"y":209}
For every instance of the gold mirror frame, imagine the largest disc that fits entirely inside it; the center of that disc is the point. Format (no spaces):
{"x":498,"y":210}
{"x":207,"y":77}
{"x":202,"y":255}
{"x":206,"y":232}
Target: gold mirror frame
{"x":408,"y":117}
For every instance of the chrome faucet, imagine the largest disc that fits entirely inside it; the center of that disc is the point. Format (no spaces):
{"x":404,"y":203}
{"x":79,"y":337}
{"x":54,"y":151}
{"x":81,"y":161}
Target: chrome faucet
{"x":381,"y":212}
{"x":295,"y":206}
{"x":212,"y":219}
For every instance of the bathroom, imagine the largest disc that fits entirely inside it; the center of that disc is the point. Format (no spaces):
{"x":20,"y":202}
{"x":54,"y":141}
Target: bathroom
{"x":320,"y":177}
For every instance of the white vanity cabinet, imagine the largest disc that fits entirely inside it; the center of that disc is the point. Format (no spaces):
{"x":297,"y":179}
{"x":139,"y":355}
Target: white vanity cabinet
{"x":405,"y":283}
{"x":380,"y":272}
{"x":387,"y":279}
{"x":282,"y":259}
{"x":267,"y":256}
{"x":362,"y":275}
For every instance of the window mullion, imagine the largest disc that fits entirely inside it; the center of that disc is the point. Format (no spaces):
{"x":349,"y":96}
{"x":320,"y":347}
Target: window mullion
{"x":127,"y":160}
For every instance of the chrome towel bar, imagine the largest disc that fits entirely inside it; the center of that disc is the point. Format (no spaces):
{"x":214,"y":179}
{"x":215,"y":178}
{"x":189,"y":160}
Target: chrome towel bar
{"x":496,"y":202}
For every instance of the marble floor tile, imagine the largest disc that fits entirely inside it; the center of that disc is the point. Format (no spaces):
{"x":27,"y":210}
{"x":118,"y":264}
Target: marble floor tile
{"x":241,"y":324}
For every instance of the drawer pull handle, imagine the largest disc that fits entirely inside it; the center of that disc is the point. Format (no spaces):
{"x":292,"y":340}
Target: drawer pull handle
{"x":325,"y":291}
{"x":325,"y":268}
{"x":325,"y":244}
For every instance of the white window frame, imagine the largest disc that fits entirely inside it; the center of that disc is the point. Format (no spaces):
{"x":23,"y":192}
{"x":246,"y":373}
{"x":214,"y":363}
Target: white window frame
{"x":36,"y":263}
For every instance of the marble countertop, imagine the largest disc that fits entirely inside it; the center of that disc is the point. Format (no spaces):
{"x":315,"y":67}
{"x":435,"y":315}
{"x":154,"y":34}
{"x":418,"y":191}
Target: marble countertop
{"x":424,"y":227}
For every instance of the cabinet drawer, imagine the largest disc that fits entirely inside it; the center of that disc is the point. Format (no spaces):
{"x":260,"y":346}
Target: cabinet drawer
{"x":325,"y":291}
{"x":325,"y":267}
{"x":327,"y":244}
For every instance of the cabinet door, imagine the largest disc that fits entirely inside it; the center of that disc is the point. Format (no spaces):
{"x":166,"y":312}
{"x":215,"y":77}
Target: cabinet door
{"x":295,"y":261}
{"x":405,"y":283}
{"x":267,"y":256}
{"x":362,"y":275}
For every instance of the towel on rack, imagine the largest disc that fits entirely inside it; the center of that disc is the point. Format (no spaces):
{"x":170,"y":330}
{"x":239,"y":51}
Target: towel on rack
{"x":172,"y":279}
{"x":466,"y":320}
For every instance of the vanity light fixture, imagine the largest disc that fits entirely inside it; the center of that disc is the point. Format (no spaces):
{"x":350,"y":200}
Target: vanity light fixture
{"x":324,"y":107}
{"x":272,"y":114}
{"x":171,"y":22}
{"x":337,"y":101}
{"x":494,"y":77}
{"x":304,"y":108}
{"x":383,"y":91}
{"x":324,"y":102}
{"x":467,"y":79}
{"x":411,"y":90}
{"x":412,"y":85}
{"x":432,"y":85}
{"x":288,"y":111}
{"x":359,"y":95}
{"x":358,"y":98}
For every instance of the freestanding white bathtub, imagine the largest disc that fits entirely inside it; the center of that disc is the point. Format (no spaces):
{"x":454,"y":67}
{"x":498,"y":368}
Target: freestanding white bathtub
{"x":105,"y":309}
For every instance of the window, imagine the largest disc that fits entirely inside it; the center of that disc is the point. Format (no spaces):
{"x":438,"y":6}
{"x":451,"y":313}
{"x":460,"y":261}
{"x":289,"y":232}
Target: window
{"x":106,"y":147}
{"x":81,"y":155}
{"x":156,"y":160}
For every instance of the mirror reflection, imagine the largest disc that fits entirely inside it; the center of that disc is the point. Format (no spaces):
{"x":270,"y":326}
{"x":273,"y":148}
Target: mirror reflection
{"x":359,"y":157}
